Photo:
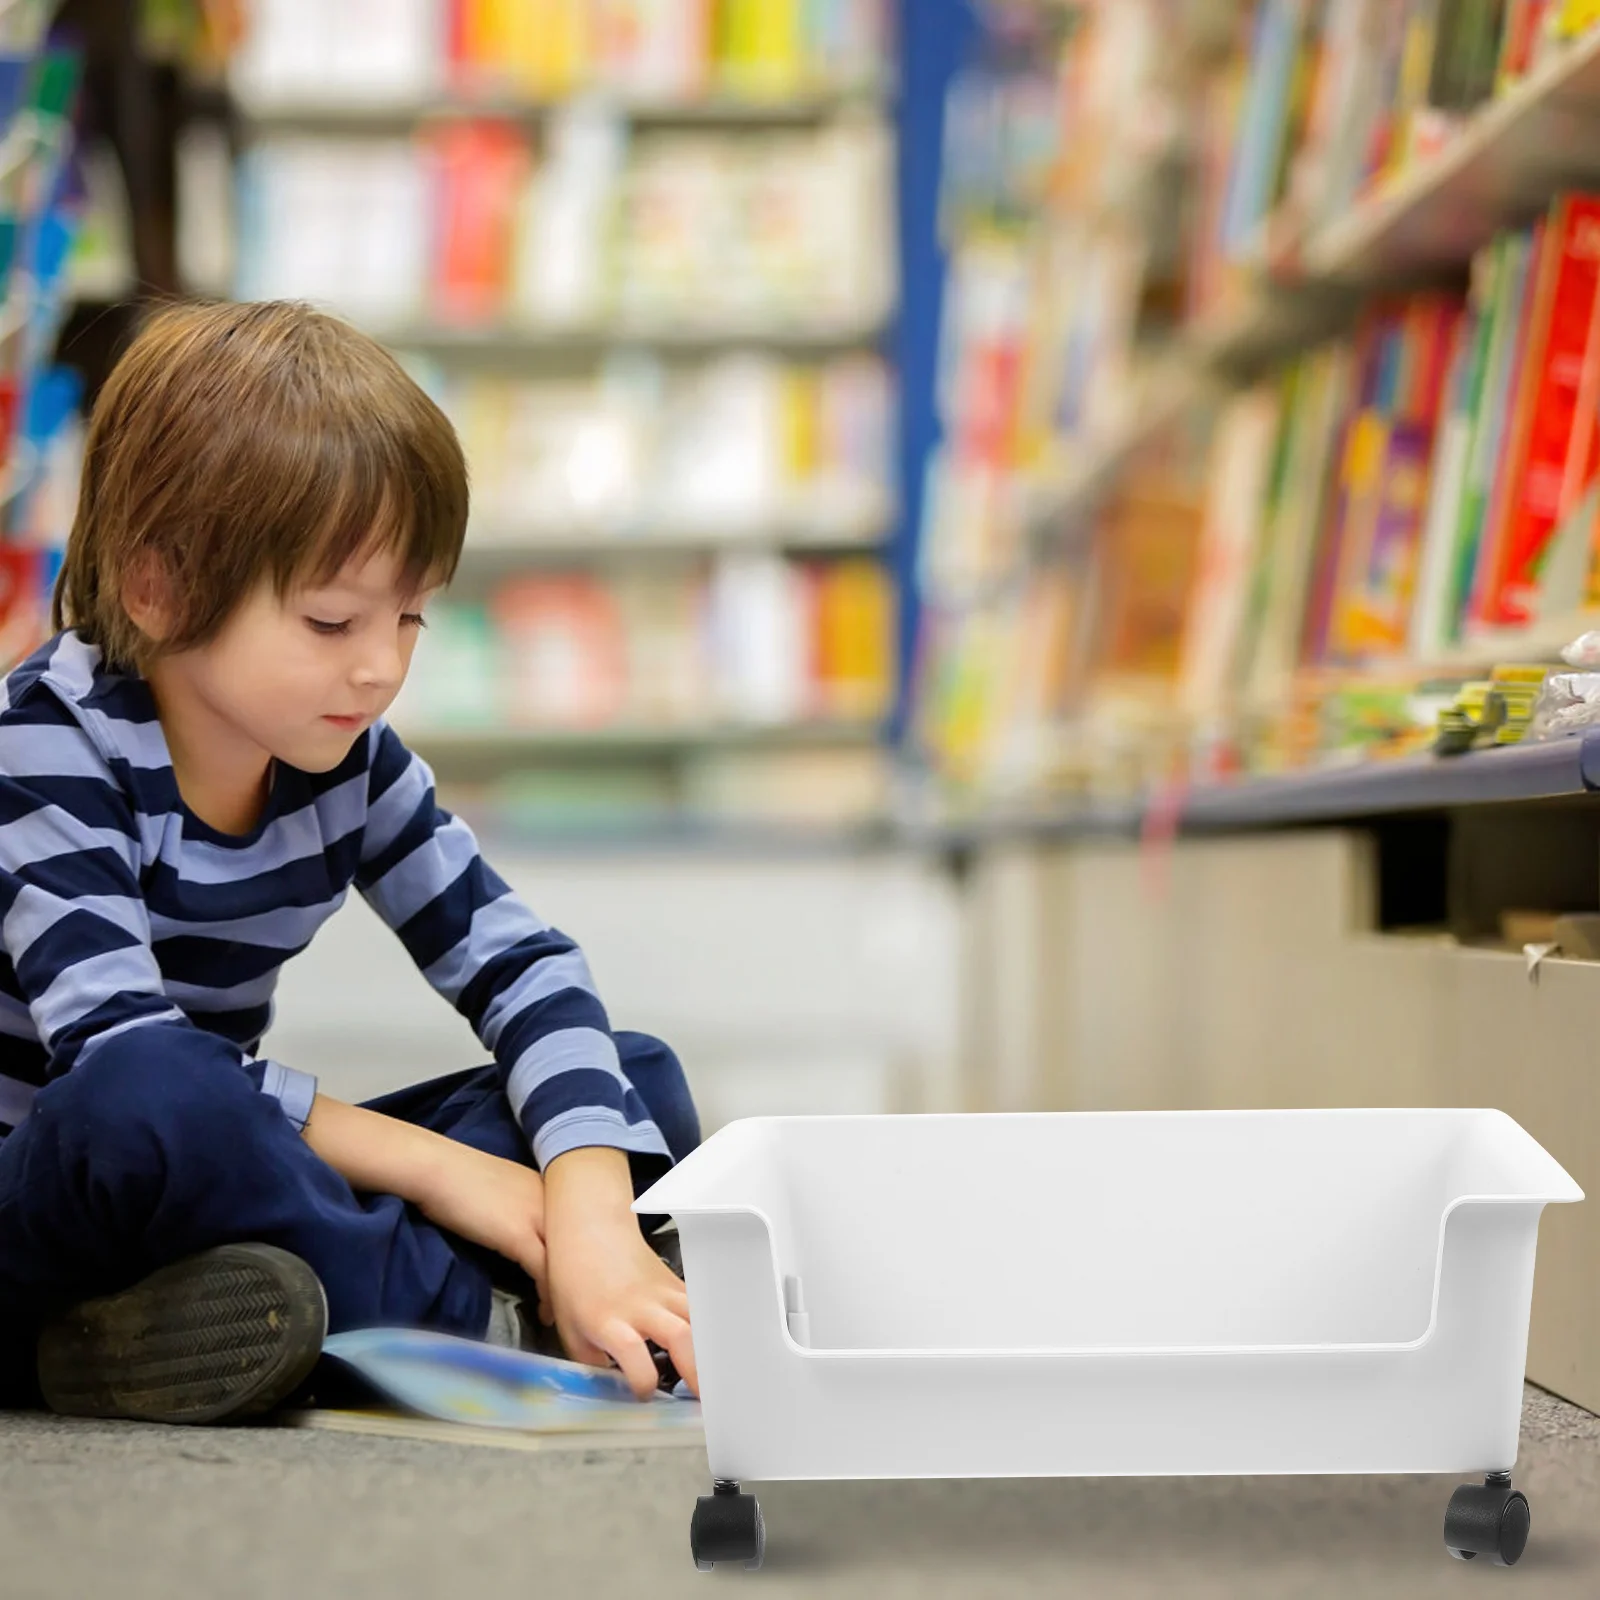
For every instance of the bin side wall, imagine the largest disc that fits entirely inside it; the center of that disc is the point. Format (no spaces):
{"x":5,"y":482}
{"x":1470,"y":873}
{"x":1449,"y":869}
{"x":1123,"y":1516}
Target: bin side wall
{"x":775,"y":1412}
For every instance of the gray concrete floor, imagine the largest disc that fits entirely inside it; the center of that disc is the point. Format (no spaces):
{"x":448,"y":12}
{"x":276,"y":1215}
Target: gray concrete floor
{"x":142,"y":1513}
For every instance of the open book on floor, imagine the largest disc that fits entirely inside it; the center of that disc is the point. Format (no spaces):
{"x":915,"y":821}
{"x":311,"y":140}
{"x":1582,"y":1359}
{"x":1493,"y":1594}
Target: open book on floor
{"x":466,"y":1381}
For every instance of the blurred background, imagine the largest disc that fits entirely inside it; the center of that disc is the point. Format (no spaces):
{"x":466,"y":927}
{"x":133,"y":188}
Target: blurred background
{"x":1020,"y":550}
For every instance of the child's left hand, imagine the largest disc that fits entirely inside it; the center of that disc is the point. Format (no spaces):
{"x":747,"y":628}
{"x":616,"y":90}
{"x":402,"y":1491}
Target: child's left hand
{"x":608,"y":1291}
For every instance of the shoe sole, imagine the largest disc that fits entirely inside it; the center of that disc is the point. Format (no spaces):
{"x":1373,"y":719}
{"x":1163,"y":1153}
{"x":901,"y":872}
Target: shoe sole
{"x":226,"y":1334}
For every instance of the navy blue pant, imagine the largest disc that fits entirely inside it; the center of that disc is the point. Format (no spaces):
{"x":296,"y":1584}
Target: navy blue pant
{"x":131,"y":1162}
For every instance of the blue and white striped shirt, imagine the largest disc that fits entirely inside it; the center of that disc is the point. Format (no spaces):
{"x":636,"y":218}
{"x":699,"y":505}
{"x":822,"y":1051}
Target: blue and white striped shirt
{"x":119,"y":908}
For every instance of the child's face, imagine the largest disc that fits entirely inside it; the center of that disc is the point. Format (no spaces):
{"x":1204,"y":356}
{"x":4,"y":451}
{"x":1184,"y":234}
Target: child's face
{"x":304,"y":677}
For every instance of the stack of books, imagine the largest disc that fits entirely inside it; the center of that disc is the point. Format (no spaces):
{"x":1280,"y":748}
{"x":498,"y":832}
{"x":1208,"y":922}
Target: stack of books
{"x":739,"y":448}
{"x":465,"y":226}
{"x":666,"y":50}
{"x":746,"y":640}
{"x":655,"y":52}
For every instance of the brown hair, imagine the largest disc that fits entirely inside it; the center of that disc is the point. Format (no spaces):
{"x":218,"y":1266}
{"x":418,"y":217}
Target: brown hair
{"x":236,"y":442}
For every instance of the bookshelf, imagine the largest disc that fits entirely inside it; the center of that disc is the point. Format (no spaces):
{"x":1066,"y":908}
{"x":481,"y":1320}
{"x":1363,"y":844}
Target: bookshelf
{"x":1561,"y":770}
{"x":491,"y":551}
{"x":706,"y":110}
{"x":1342,"y":793}
{"x":458,"y":747}
{"x":1298,"y":281}
{"x":1166,"y":907}
{"x":1507,"y":162}
{"x":645,"y":258}
{"x":518,"y":346}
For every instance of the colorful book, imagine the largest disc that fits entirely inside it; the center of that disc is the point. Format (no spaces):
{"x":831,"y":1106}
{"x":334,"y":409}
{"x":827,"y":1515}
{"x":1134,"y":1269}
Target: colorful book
{"x":482,"y":172}
{"x":1549,"y":433}
{"x":1378,"y":576}
{"x":1266,"y":109}
{"x":1386,"y":67}
{"x":1419,"y":32}
{"x":1247,"y":454}
{"x":1357,"y":460}
{"x":1329,"y":106}
{"x":1520,"y":42}
{"x":1320,"y":400}
{"x":24,"y":603}
{"x":1571,"y":18}
{"x":855,"y":638}
{"x":483,"y":1385}
{"x":565,"y":654}
{"x":1149,"y":548}
{"x":1466,"y":53}
{"x":1518,"y":253}
{"x":1309,"y":44}
{"x":760,"y":46}
{"x":1432,"y":622}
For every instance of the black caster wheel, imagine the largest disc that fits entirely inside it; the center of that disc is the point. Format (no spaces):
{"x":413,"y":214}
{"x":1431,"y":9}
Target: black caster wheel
{"x":1488,"y":1519}
{"x":727,"y":1526}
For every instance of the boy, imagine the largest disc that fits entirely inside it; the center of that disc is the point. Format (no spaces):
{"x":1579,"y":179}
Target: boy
{"x":193,"y":772}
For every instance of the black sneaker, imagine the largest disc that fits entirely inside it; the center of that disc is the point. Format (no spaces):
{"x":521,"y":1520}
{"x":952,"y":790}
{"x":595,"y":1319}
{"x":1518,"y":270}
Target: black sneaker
{"x":228,"y":1333}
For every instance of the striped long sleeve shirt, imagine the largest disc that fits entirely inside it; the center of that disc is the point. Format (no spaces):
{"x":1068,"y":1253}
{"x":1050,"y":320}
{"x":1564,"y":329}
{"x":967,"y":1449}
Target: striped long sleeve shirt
{"x":120,"y":909}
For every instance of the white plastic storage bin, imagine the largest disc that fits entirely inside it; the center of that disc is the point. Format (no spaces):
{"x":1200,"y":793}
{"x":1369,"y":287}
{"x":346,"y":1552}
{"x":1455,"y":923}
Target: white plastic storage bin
{"x":1112,"y":1293}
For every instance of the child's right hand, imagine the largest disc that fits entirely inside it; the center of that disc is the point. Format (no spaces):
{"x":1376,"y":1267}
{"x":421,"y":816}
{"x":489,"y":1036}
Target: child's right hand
{"x":493,"y":1202}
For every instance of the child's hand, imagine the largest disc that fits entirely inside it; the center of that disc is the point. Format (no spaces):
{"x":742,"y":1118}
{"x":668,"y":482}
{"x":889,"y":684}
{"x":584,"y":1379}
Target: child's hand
{"x":608,"y":1290}
{"x":496,"y":1203}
